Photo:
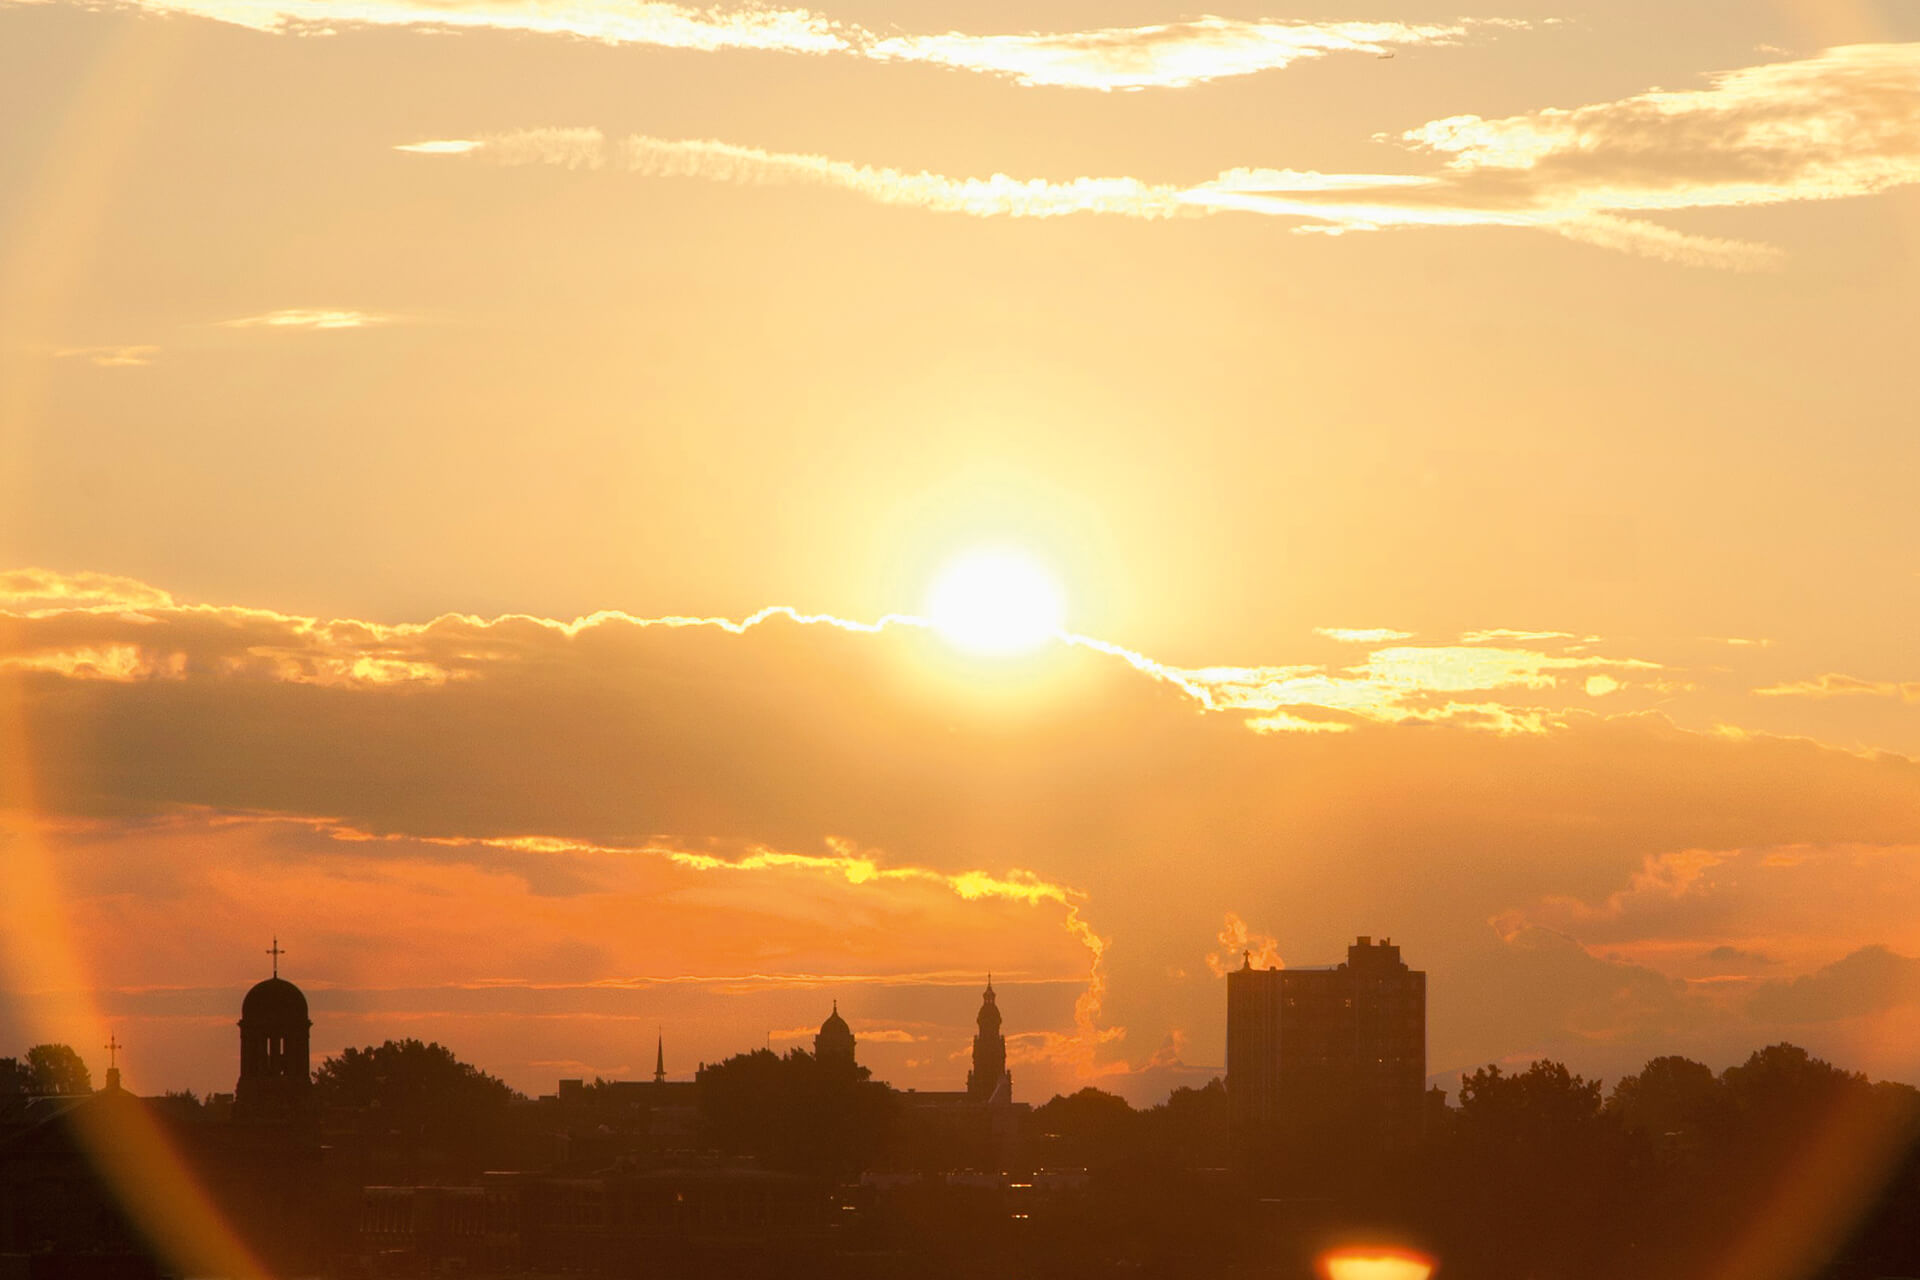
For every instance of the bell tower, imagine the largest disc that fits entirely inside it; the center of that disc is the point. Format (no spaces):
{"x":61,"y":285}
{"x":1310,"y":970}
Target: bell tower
{"x":274,"y":1029}
{"x":989,"y":1051}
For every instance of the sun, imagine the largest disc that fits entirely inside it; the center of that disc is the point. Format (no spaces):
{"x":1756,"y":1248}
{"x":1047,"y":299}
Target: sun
{"x":995,"y":602}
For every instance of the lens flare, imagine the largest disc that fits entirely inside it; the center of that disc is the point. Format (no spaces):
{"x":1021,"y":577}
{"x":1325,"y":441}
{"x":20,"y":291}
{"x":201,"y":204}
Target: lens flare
{"x":995,"y":603}
{"x":1375,"y":1264}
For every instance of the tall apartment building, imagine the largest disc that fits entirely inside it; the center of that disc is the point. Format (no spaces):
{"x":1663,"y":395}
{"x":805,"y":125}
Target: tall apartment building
{"x":1328,"y":1052}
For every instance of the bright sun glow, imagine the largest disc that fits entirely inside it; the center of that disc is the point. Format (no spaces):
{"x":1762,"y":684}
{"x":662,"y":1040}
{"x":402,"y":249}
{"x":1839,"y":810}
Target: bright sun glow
{"x":995,"y":603}
{"x":1375,"y":1264}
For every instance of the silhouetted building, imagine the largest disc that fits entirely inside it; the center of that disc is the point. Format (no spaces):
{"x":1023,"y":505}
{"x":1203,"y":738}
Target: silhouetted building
{"x":1335,"y":1052}
{"x":275,"y":1081}
{"x":989,"y":1075}
{"x":834,"y":1045}
{"x":976,"y":1128}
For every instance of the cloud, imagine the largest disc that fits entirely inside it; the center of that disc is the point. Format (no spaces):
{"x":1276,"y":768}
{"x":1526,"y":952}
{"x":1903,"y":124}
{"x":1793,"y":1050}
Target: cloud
{"x":108,"y":357}
{"x":1432,"y":683}
{"x":647,"y":22}
{"x":572,"y":814}
{"x":716,"y":161}
{"x":1735,"y":959}
{"x":1362,"y":635}
{"x":865,"y":1035}
{"x":1840,"y":124}
{"x":1835,"y":685}
{"x":1869,"y":981}
{"x":1508,"y":633}
{"x":1843,"y":124}
{"x":1241,"y":945}
{"x":1716,"y":918}
{"x":1168,"y":55}
{"x":310,"y":318}
{"x":26,"y":591}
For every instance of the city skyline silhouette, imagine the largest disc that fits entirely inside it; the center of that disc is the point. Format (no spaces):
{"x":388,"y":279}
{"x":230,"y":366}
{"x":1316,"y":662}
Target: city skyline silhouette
{"x":1036,"y":641}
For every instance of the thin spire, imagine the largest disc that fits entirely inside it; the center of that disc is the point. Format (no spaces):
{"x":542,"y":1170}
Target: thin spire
{"x":660,"y":1059}
{"x":276,"y":953}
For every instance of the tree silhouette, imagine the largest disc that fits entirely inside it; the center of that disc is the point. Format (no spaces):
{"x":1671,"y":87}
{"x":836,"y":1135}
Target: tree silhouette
{"x":1190,"y":1129}
{"x":794,"y":1112}
{"x":1091,"y":1129}
{"x":1784,"y":1082}
{"x":1542,"y":1172}
{"x":48,"y":1069}
{"x":1675,"y":1102}
{"x":420,"y":1097}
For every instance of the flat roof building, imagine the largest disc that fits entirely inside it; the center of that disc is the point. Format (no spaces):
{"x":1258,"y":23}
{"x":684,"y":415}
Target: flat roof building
{"x":1327,"y":1053}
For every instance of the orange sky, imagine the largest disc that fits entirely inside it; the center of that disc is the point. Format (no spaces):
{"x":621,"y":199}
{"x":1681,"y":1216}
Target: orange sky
{"x":1479,"y":480}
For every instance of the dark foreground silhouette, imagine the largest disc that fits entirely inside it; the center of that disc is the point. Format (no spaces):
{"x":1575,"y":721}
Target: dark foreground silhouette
{"x":410,"y":1162}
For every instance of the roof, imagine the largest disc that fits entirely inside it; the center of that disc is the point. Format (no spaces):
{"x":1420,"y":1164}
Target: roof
{"x":275,"y":1000}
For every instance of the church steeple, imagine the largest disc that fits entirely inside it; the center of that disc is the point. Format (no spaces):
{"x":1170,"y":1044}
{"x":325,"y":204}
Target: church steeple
{"x":989,"y":1052}
{"x":660,"y":1059}
{"x":113,"y":1048}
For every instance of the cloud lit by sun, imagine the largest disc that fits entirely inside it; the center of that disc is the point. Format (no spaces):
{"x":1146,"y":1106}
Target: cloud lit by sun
{"x":996,"y":603}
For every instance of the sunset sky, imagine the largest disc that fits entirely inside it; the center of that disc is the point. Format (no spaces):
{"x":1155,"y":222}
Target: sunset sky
{"x":475,"y":476}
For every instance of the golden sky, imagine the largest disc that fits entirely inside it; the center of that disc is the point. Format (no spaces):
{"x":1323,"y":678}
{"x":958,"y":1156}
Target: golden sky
{"x":472,"y":475}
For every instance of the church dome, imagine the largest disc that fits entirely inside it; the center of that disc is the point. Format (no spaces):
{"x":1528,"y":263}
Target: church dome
{"x":274,"y":1001}
{"x":835,"y":1041}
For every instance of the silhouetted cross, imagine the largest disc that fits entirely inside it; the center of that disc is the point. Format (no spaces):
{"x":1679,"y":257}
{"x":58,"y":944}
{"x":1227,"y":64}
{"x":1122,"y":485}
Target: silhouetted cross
{"x":113,"y":1048}
{"x":276,"y":953}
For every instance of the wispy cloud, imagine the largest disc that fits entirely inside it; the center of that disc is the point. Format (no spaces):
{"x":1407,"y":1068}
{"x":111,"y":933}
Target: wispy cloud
{"x":995,"y":196}
{"x":1362,"y":635}
{"x":1171,"y":55}
{"x":648,"y":22}
{"x":310,"y":318}
{"x":1168,"y":55}
{"x":1509,"y":633}
{"x":107,"y":357}
{"x":1844,"y":123}
{"x":716,"y":161}
{"x":1835,"y":685}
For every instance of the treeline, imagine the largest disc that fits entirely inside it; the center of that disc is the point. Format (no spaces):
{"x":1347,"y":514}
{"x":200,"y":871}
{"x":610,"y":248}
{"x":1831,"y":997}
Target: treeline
{"x":1784,"y":1165}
